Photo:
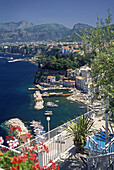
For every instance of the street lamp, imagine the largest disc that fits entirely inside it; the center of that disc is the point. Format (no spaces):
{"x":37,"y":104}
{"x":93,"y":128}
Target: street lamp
{"x":48,"y":119}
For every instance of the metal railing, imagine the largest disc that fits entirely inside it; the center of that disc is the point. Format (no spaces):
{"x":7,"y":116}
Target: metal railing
{"x":101,"y":162}
{"x":100,"y":158}
{"x":57,"y":142}
{"x":94,"y":147}
{"x":109,"y":147}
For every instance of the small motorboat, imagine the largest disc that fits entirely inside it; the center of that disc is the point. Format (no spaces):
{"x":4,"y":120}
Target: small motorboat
{"x":57,"y":101}
{"x":51,"y":104}
{"x":81,"y":107}
{"x":48,"y":113}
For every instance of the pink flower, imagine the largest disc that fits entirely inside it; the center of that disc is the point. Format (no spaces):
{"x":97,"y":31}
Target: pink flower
{"x":1,"y":140}
{"x":13,"y":143}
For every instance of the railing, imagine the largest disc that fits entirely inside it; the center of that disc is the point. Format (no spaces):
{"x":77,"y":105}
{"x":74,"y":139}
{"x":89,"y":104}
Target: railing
{"x":101,"y":162}
{"x":14,"y":150}
{"x":57,"y":142}
{"x":110,"y":146}
{"x":57,"y":145}
{"x":94,"y":147}
{"x":48,"y":135}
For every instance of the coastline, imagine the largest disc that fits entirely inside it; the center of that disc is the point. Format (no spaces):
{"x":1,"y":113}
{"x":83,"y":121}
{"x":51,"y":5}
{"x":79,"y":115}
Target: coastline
{"x":86,"y":100}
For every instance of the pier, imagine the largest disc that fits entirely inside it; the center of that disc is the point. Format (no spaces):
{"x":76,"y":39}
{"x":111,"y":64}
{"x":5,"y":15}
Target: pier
{"x":45,"y":94}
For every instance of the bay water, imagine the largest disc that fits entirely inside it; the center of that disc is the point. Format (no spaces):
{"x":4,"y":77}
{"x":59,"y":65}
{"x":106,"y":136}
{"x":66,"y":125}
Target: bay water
{"x":17,"y":102}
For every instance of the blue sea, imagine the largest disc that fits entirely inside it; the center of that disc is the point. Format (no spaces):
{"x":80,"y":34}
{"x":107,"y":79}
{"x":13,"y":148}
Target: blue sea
{"x":17,"y":102}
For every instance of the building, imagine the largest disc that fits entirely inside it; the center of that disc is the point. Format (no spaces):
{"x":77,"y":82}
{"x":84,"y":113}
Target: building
{"x":80,"y":82}
{"x":50,"y":79}
{"x":71,"y":72}
{"x":69,"y":83}
{"x":85,"y":71}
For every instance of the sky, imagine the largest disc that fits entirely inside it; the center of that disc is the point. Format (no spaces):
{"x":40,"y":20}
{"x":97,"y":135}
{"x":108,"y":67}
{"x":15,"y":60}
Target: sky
{"x":66,"y":12}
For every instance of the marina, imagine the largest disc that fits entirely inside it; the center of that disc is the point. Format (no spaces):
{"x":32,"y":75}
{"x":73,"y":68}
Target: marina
{"x":20,"y":102}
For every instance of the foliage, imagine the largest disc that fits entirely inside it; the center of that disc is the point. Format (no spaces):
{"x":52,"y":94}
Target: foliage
{"x":57,"y":77}
{"x":79,"y":128}
{"x":26,"y":159}
{"x":99,"y":41}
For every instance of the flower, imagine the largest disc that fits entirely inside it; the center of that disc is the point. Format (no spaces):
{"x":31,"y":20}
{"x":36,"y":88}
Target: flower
{"x":1,"y":140}
{"x":9,"y":137}
{"x":14,"y":160}
{"x":28,"y":135}
{"x":13,"y":143}
{"x":32,"y":157}
{"x":4,"y":149}
{"x":13,"y":168}
{"x":15,"y":128}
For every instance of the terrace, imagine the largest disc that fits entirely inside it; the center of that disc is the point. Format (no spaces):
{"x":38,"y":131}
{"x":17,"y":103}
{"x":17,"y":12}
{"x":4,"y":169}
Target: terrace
{"x":63,"y":151}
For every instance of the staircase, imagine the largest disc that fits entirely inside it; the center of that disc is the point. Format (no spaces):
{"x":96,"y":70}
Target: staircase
{"x":100,"y":158}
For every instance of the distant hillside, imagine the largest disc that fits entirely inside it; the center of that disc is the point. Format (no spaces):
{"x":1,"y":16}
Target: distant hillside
{"x":48,"y":32}
{"x":23,"y":31}
{"x":81,"y":27}
{"x":13,"y":26}
{"x":76,"y":28}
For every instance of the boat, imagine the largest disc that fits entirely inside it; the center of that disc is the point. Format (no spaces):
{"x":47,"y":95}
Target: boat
{"x":81,"y":107}
{"x":51,"y":104}
{"x":48,"y":113}
{"x":57,"y":101}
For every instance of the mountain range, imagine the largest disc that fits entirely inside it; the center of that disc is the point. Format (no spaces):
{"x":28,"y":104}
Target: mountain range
{"x":24,"y":32}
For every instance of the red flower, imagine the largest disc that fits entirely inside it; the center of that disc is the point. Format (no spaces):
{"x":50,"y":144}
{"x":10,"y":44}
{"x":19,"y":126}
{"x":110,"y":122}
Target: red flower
{"x":46,"y":148}
{"x":14,"y":160}
{"x":34,"y":167}
{"x":15,"y":128}
{"x":58,"y":167}
{"x":9,"y":137}
{"x":20,"y":159}
{"x":28,"y":135}
{"x":53,"y":164}
{"x":32,"y":157}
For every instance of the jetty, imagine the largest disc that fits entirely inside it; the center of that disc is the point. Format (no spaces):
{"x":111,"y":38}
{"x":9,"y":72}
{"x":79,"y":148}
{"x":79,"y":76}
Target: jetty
{"x":32,"y":88}
{"x":39,"y":100}
{"x":52,"y":88}
{"x":45,"y":94}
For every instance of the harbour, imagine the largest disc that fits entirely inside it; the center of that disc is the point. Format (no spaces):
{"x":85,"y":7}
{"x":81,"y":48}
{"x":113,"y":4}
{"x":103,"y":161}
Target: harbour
{"x":17,"y":102}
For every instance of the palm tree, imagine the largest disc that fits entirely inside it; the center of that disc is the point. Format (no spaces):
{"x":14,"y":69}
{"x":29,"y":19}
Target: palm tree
{"x":79,"y":128}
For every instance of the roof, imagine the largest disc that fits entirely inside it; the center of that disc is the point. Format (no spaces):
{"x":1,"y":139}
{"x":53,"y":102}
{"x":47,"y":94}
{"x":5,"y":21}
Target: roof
{"x":80,"y":77}
{"x":50,"y":76}
{"x":69,"y":69}
{"x":71,"y":81}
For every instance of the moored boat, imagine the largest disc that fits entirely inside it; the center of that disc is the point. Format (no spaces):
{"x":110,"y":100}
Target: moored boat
{"x":48,"y":113}
{"x":51,"y":104}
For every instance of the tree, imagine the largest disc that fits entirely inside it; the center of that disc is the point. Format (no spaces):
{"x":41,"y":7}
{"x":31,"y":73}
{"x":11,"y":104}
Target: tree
{"x":100,"y":41}
{"x":57,"y":77}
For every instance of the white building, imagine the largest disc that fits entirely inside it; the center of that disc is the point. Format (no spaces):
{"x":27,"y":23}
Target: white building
{"x":50,"y":79}
{"x":85,"y":71}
